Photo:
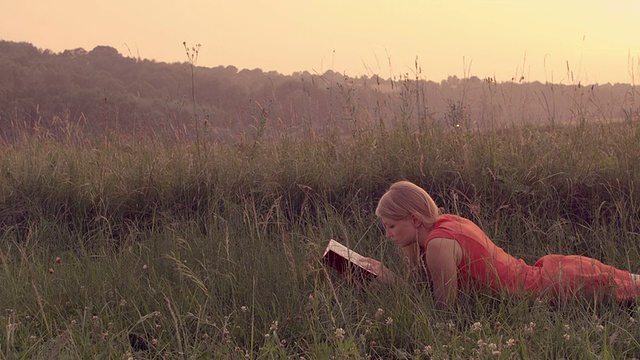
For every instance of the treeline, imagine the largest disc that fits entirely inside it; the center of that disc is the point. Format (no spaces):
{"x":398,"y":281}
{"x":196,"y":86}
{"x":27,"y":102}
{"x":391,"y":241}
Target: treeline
{"x":101,"y":90}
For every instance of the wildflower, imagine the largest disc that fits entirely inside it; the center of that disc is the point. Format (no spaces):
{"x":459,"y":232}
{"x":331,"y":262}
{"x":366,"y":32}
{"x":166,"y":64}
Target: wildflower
{"x":528,"y":329}
{"x":154,"y":342}
{"x":50,"y":270}
{"x":58,"y":260}
{"x":340,"y":334}
{"x":267,"y":336}
{"x":566,"y":337}
{"x":492,"y":347}
{"x":123,"y":303}
{"x":496,"y":353}
{"x":244,"y":309}
{"x":310,"y":296}
{"x":389,"y":321}
{"x":158,"y":326}
{"x":274,"y":326}
{"x":481,"y":344}
{"x":476,"y":327}
{"x":510,"y":343}
{"x":599,"y":328}
{"x":427,"y":350}
{"x":379,"y":313}
{"x":144,"y":267}
{"x":566,"y":327}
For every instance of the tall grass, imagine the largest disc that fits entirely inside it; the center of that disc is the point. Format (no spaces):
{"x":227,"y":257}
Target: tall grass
{"x":212,"y":252}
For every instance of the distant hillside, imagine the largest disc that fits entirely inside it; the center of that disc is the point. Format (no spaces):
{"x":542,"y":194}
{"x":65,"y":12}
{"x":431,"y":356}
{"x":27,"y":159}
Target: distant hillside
{"x":101,"y":90}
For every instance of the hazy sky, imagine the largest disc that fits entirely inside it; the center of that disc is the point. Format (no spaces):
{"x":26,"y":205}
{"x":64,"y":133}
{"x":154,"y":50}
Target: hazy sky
{"x":598,"y":40}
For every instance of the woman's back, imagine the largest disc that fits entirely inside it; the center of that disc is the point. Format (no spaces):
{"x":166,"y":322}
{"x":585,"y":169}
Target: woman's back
{"x":483,"y":262}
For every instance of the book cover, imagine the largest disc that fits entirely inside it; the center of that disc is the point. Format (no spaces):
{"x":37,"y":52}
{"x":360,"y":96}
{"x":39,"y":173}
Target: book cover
{"x":346,"y":262}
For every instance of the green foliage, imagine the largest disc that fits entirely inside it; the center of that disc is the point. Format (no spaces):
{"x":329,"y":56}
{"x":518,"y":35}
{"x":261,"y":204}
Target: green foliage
{"x":214,"y":252}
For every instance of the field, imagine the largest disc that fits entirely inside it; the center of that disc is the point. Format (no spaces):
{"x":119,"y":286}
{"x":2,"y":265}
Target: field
{"x":126,"y":247}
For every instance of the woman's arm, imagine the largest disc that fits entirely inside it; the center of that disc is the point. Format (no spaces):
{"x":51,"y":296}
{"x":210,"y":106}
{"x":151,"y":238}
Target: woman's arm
{"x":442,"y":257}
{"x":385,"y":276}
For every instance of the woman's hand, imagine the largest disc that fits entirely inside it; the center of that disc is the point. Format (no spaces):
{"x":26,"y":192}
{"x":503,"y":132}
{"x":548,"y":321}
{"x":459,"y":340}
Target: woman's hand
{"x":384,"y":275}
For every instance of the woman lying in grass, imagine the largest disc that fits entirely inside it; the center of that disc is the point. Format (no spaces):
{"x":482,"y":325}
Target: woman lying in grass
{"x":458,"y":255}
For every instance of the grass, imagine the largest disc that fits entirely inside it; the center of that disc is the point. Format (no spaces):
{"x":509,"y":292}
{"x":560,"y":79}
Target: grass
{"x":213,"y":252}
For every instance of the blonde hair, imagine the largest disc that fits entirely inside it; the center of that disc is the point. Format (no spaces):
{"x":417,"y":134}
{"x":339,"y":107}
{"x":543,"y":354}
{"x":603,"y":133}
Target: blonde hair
{"x":404,"y":199}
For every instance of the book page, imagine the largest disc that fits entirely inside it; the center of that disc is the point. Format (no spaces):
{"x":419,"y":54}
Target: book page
{"x":346,"y":261}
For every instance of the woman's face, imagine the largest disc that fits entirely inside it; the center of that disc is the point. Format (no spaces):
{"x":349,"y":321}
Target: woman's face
{"x":403,"y":232}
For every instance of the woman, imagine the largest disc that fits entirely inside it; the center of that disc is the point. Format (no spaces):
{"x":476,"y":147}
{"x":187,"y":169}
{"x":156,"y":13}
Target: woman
{"x":459,"y":256}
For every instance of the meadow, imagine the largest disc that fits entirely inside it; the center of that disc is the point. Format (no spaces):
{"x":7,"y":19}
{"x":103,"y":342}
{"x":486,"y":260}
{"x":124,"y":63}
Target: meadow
{"x":125,"y":247}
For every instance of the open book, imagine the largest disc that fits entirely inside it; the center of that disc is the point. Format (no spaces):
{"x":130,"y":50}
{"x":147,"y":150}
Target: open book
{"x":346,"y":262}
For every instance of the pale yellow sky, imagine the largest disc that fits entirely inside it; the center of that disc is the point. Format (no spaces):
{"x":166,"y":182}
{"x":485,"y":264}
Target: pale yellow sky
{"x":599,"y":40}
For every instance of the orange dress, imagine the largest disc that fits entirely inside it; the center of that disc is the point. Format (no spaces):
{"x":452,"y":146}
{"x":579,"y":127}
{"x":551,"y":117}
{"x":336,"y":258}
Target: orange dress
{"x":486,"y":265}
